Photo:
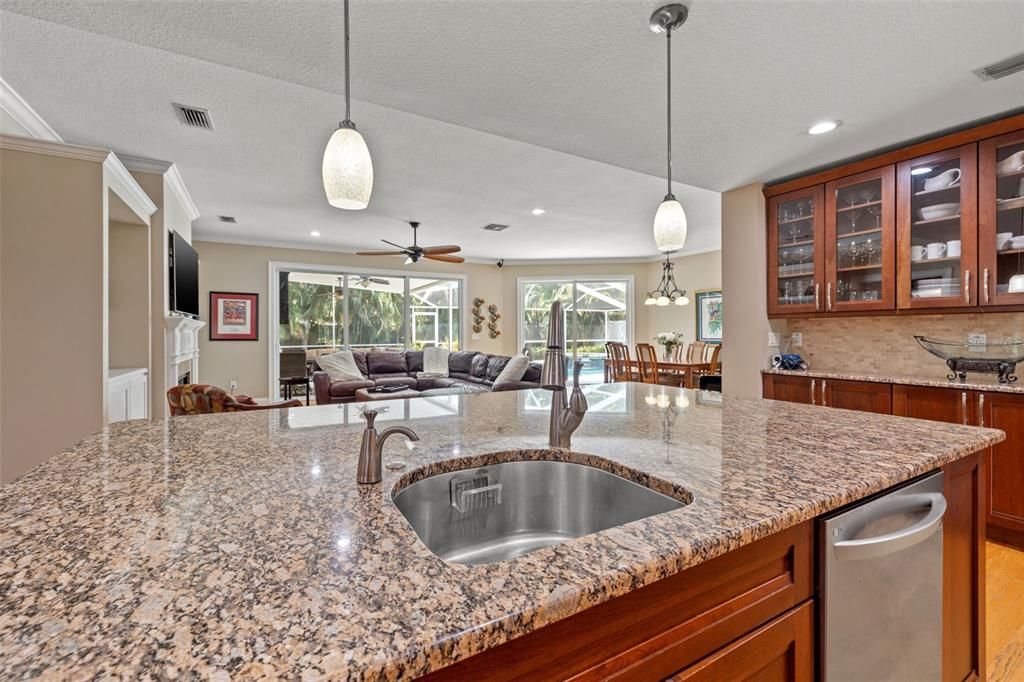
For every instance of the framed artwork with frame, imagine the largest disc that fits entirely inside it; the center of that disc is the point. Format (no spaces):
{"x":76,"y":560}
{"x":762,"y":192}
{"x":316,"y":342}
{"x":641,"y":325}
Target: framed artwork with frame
{"x":709,"y":315}
{"x":234,"y":316}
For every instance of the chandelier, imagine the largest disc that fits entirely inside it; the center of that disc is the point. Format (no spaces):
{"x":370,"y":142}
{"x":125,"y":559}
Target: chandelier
{"x":667,"y":290}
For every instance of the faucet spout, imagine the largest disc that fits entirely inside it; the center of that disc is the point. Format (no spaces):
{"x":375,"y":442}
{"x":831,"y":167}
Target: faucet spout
{"x":368,"y":469}
{"x":566,"y":414}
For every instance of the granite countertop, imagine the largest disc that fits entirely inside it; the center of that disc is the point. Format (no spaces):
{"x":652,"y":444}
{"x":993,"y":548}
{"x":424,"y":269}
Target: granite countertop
{"x":240,"y":545}
{"x":973,"y":383}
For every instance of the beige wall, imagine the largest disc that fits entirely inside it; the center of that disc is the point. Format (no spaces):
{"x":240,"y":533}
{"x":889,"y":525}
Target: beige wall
{"x":53,"y":364}
{"x":240,"y":268}
{"x":886,"y":345}
{"x":129,"y":298}
{"x":745,"y":349}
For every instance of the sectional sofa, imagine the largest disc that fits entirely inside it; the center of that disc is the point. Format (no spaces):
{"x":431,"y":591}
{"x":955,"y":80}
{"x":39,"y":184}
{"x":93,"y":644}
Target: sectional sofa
{"x":468,"y":372}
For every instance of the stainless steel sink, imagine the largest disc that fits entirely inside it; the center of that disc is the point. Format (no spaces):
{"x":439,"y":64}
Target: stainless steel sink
{"x":479,"y":516}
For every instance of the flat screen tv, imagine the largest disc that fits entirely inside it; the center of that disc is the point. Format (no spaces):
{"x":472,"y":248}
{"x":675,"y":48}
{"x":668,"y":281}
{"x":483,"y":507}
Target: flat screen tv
{"x":184,"y":277}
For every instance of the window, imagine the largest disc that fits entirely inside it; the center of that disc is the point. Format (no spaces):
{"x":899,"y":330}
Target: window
{"x":596,"y":311}
{"x":367,"y":310}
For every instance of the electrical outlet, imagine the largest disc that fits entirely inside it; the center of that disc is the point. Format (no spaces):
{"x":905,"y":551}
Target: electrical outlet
{"x":797,"y":340}
{"x":773,"y":340}
{"x":977,"y":339}
{"x":233,"y":387}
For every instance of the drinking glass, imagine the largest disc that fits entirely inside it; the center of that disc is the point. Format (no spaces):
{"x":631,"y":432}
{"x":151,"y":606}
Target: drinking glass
{"x":876,"y":213}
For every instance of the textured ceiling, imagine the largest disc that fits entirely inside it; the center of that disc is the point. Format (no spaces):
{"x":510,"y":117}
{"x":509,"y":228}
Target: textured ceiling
{"x":584,"y":80}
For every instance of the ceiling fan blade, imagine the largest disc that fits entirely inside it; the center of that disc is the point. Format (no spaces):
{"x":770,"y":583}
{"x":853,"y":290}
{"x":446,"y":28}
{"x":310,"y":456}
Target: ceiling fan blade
{"x":397,"y":246}
{"x":380,"y":253}
{"x":446,"y":259}
{"x":448,"y":248}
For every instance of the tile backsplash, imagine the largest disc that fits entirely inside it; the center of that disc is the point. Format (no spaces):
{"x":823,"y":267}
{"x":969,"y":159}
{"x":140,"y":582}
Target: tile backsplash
{"x":886,"y":345}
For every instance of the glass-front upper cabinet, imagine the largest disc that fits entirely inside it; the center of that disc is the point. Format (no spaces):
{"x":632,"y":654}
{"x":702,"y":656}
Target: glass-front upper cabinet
{"x":936,"y":221}
{"x":1001,"y":219}
{"x":796,"y":253}
{"x":860,"y":262}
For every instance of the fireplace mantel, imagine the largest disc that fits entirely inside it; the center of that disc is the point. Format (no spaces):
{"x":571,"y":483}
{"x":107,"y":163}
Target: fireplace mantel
{"x":181,"y":345}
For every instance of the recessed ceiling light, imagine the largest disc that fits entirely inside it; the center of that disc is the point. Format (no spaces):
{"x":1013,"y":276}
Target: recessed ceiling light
{"x":314,"y":233}
{"x":538,"y":211}
{"x":921,"y":170}
{"x":823,"y":127}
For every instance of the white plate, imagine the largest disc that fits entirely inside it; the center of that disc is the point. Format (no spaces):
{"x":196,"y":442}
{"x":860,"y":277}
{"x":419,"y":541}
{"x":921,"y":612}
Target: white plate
{"x":938,"y":211}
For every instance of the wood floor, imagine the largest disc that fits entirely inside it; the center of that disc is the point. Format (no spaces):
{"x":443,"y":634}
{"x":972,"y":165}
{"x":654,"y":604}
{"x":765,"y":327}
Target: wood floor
{"x":1004,"y":576}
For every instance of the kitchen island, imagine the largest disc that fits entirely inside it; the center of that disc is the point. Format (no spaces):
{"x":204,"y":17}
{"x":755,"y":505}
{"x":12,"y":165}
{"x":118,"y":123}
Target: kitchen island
{"x":241,"y":546}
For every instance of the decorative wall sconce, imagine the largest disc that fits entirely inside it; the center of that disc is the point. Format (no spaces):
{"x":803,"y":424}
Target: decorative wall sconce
{"x":478,"y":317}
{"x":492,"y":325}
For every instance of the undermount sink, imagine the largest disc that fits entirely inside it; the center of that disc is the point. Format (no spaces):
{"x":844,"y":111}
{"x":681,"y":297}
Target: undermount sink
{"x":505,"y":510}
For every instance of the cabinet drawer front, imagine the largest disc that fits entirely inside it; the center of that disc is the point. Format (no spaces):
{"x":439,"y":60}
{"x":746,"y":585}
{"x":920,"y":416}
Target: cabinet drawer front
{"x":863,"y":396}
{"x":781,"y":651}
{"x":661,"y":628}
{"x":789,"y":388}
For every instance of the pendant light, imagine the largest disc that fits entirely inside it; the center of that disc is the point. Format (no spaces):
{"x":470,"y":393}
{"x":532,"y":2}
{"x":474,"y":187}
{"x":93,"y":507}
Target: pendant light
{"x":668,"y":291}
{"x":347,"y":168}
{"x":670,"y":220}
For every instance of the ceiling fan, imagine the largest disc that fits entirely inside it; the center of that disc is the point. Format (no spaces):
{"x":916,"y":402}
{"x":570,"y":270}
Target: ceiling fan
{"x":415,"y":252}
{"x":365,"y":282}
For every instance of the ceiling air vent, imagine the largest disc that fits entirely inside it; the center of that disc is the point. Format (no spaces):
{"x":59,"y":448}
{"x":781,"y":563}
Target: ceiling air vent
{"x":193,"y":117}
{"x":1001,"y":69}
{"x":227,"y":218}
{"x":494,"y":227}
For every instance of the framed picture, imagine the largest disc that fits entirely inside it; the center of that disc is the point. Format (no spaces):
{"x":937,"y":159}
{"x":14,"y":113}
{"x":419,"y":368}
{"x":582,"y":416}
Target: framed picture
{"x":709,"y":316}
{"x":234,"y":316}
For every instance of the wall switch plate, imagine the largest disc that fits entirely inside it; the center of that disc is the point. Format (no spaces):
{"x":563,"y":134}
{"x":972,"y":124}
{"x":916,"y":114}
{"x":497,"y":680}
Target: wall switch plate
{"x":797,"y":340}
{"x":233,"y":387}
{"x":977,"y":339}
{"x":773,"y":340}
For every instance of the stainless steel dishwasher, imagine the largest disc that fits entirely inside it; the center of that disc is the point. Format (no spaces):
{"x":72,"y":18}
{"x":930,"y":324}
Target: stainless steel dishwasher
{"x":881,"y":605}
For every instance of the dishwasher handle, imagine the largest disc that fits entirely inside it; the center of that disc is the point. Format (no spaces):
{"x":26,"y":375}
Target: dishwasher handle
{"x":870,"y":548}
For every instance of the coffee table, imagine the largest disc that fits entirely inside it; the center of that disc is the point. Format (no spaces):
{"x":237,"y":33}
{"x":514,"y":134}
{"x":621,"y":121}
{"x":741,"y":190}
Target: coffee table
{"x":366,"y":395}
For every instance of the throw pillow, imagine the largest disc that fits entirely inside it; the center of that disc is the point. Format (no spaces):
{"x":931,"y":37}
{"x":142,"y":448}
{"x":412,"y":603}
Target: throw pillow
{"x":340,"y":366}
{"x":514,"y":370}
{"x":435,"y":362}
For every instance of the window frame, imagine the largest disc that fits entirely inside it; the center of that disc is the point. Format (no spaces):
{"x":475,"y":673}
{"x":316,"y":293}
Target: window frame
{"x":273,"y":316}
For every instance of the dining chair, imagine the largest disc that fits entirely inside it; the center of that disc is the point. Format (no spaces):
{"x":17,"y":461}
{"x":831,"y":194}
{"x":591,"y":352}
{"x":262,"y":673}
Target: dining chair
{"x":608,"y":375}
{"x":621,"y":366}
{"x":707,"y":367}
{"x":650,"y":372}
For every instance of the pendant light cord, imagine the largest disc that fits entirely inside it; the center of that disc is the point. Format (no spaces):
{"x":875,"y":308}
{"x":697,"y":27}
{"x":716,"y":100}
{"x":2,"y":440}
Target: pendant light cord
{"x":348,"y":99}
{"x":668,"y":107}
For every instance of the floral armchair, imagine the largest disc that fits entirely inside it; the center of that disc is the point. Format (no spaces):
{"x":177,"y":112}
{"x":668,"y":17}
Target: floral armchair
{"x":205,"y":399}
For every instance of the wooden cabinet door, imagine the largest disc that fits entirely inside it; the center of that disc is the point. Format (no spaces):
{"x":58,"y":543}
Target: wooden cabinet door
{"x":1005,"y":471}
{"x":950,"y":405}
{"x":1001,"y":218}
{"x":864,"y":396}
{"x":796,"y":251}
{"x":940,"y":219}
{"x":860,"y":242}
{"x":781,"y":651}
{"x":791,"y":389}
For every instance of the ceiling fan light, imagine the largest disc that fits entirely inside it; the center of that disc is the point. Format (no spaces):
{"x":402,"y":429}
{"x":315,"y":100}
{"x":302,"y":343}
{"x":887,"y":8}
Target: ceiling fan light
{"x":347,"y":170}
{"x":670,"y":225}
{"x":409,"y":260}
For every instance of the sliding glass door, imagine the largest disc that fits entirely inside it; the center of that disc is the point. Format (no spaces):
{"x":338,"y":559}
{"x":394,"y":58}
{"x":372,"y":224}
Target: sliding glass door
{"x":596,"y":311}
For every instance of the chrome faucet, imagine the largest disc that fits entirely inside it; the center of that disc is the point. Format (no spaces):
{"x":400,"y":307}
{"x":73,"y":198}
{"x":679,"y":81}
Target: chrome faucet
{"x":370,"y":452}
{"x":566,"y":413}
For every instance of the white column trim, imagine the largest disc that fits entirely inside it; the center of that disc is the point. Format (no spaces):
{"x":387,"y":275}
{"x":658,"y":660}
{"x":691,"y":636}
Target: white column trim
{"x":62,"y":149}
{"x":126,"y":187}
{"x":27,"y":117}
{"x":172,"y":176}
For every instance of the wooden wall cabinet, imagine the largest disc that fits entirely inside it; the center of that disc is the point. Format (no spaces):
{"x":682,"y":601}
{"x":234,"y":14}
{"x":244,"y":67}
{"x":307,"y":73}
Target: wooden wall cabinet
{"x":1001,"y":219}
{"x":860,"y":241}
{"x":796,"y":251}
{"x":937,"y":229}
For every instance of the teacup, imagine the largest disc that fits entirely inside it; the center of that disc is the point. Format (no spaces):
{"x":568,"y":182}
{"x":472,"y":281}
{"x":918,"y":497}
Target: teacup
{"x":943,"y":180}
{"x":1012,"y":163}
{"x":936,"y":250}
{"x":918,"y":252}
{"x":953,"y":248}
{"x":1016,"y":284}
{"x":1003,"y":240}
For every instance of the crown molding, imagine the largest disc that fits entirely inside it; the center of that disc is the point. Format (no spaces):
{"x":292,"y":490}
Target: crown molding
{"x":125,"y":186}
{"x":177,"y":186}
{"x":172,"y":177}
{"x":300,"y":246}
{"x":38,"y":146}
{"x":27,"y":117}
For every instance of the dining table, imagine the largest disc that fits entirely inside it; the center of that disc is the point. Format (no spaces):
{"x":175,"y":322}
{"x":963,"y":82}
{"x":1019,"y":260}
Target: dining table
{"x":685,"y":370}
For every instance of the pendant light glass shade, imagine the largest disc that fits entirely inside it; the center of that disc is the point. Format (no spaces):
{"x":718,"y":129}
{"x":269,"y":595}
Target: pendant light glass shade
{"x":347,"y":170}
{"x":670,"y":225}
